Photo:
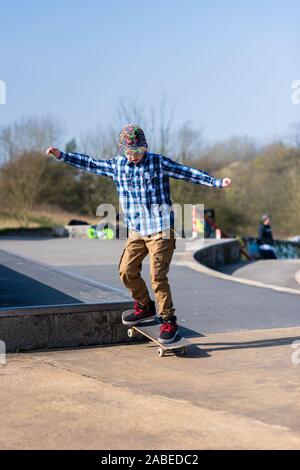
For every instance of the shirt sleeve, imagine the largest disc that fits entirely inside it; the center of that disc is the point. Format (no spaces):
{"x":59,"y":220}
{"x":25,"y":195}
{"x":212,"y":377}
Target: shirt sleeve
{"x":93,"y":165}
{"x":187,"y":173}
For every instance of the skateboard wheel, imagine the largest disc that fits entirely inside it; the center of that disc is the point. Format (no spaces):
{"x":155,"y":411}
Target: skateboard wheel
{"x":182,"y":351}
{"x":160,"y":352}
{"x":130,"y":333}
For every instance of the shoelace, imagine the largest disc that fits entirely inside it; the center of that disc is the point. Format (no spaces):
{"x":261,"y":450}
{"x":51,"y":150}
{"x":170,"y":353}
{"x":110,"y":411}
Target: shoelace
{"x":168,"y":327}
{"x":137,"y":308}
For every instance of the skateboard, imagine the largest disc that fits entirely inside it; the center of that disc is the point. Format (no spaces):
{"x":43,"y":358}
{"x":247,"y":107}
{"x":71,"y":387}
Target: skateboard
{"x":151,"y":329}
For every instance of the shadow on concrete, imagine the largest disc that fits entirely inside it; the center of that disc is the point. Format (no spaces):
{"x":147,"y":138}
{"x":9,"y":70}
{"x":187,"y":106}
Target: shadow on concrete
{"x":188,"y":333}
{"x":200,"y":350}
{"x":19,"y":290}
{"x":233,"y":267}
{"x":263,"y":343}
{"x":203,"y":350}
{"x":193,"y":351}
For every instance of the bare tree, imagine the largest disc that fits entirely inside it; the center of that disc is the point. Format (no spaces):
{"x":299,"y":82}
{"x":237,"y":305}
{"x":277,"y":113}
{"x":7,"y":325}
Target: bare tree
{"x":28,"y":135}
{"x":131,"y":111}
{"x":165,"y":125}
{"x":231,"y":150}
{"x":20,"y":183}
{"x":156,"y":121}
{"x":188,"y":143}
{"x":294,"y":135}
{"x":99,"y":143}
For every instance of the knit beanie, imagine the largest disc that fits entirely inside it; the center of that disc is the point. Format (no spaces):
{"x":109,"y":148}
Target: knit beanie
{"x":132,"y":137}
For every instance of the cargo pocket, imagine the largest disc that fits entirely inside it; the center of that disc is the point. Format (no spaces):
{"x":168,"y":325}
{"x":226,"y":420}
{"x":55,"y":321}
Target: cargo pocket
{"x":161,"y":265}
{"x":170,"y":235}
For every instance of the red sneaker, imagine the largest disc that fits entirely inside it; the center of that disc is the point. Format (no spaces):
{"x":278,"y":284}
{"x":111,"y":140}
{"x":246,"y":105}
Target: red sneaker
{"x":142,"y":313}
{"x":168,"y":330}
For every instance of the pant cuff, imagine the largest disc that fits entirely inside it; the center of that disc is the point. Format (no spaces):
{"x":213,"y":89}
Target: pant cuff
{"x":167,"y":314}
{"x":144,"y":301}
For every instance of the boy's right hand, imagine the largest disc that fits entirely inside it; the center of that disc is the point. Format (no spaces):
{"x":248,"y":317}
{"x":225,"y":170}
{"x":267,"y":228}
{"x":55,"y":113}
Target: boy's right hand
{"x":53,"y":151}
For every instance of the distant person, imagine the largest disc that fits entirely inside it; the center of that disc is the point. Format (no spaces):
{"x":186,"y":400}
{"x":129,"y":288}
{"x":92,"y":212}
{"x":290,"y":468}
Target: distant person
{"x":142,"y":180}
{"x":265,"y":239}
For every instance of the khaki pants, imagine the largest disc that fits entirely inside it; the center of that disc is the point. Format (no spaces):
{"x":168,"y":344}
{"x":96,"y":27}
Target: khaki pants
{"x":160,"y":247}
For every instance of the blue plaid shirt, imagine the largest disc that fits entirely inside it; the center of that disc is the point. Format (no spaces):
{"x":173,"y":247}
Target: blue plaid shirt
{"x":143,"y":187}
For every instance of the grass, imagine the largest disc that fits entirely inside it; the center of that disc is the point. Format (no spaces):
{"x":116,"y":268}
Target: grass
{"x":40,"y":218}
{"x":45,"y":217}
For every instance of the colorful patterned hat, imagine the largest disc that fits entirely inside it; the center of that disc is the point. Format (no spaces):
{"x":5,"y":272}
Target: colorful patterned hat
{"x":132,"y":137}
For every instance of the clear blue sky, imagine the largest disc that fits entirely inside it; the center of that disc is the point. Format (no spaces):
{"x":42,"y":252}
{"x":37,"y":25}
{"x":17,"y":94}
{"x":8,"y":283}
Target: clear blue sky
{"x":226,"y":65}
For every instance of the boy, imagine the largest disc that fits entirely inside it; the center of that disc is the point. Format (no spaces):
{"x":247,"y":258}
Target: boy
{"x":142,"y":180}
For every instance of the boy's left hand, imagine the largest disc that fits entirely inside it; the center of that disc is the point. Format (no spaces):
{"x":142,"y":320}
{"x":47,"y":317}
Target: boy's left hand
{"x":226,"y":183}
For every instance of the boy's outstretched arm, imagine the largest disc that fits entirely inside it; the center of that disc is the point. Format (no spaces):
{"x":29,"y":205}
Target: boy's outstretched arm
{"x":84,"y":162}
{"x":187,"y":173}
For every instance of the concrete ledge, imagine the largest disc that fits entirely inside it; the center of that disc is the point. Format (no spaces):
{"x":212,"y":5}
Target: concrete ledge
{"x":220,"y":253}
{"x":63,"y":326}
{"x":196,"y":260}
{"x":285,"y":249}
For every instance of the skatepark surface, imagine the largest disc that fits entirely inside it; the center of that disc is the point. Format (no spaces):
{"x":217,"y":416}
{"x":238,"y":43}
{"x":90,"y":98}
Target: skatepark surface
{"x":281,"y":272}
{"x":238,"y":387}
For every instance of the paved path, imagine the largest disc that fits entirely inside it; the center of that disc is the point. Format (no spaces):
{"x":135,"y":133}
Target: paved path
{"x":26,"y":283}
{"x":277,"y":272}
{"x":237,"y":388}
{"x":203,"y":304}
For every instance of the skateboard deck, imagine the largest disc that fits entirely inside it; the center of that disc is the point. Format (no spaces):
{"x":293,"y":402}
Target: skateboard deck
{"x":151,"y":330}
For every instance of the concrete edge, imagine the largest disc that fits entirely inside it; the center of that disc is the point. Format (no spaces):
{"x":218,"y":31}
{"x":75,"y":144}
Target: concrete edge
{"x":190,"y":261}
{"x":218,"y":253}
{"x":65,"y":326}
{"x":62,"y":308}
{"x":68,"y":274}
{"x":227,"y":277}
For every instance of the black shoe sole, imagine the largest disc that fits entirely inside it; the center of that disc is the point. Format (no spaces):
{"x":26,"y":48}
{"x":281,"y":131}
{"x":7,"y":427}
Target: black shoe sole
{"x":168,"y":341}
{"x":139,"y":322}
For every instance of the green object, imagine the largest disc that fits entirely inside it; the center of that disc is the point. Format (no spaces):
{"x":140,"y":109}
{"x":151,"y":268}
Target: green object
{"x":109,"y":234}
{"x":91,"y":233}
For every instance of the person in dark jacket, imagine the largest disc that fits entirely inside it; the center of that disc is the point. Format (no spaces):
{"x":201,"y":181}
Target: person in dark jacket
{"x":265,"y":239}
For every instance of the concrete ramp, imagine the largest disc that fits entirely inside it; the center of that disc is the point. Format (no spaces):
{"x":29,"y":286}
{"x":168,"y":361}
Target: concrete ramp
{"x":42,"y":307}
